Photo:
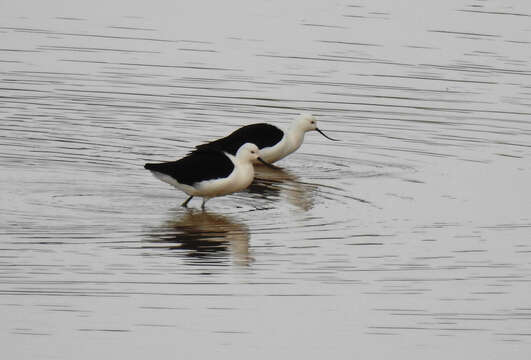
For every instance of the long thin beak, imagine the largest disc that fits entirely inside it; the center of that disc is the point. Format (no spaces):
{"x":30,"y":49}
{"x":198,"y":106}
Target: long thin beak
{"x":267,"y":164}
{"x":328,"y":137}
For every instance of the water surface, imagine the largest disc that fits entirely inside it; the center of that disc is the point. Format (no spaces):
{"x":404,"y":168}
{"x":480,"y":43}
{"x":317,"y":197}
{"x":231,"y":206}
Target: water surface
{"x":409,"y":238}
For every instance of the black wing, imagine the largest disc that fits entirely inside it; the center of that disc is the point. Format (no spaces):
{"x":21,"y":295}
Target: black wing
{"x":203,"y":164}
{"x":262,"y":135}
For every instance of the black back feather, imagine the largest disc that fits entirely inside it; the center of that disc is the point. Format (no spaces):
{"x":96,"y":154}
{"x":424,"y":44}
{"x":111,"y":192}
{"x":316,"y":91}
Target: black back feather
{"x":203,"y":164}
{"x":262,"y":135}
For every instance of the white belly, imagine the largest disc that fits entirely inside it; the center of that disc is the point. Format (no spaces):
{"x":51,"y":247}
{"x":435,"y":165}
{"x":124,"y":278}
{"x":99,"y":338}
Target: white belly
{"x":239,"y":179}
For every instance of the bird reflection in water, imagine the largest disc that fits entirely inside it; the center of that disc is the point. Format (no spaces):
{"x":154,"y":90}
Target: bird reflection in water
{"x":205,"y":235}
{"x":278,"y":183}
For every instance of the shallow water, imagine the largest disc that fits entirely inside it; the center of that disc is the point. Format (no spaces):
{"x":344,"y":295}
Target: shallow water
{"x":408,"y":238}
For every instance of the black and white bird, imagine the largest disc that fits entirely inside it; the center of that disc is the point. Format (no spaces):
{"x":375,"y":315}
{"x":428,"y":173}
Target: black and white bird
{"x":208,"y":172}
{"x":274,"y":143}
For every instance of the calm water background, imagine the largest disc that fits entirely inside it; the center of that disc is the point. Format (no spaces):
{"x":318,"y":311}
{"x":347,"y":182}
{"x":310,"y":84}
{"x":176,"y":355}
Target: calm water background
{"x":410,"y":238}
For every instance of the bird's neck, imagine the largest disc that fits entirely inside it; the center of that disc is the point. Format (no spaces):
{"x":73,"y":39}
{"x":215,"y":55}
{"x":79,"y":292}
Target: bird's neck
{"x":295,"y":138}
{"x":245,"y":173}
{"x":244,"y":165}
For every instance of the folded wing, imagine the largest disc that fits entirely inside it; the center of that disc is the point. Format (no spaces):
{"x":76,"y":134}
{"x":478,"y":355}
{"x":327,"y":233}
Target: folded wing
{"x":263,"y":135}
{"x":200,"y":165}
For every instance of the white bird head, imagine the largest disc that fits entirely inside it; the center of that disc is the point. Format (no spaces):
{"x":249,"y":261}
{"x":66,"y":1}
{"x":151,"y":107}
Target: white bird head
{"x":307,"y":122}
{"x":248,"y":152}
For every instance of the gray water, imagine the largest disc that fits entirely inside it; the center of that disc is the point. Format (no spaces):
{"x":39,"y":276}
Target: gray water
{"x":409,"y":238}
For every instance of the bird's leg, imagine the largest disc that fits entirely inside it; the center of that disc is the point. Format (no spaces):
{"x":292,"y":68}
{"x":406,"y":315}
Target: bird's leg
{"x":203,"y":204}
{"x":185,"y":204}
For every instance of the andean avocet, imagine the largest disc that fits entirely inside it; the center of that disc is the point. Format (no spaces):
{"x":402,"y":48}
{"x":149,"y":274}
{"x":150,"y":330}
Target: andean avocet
{"x":208,"y":172}
{"x":274,"y":143}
